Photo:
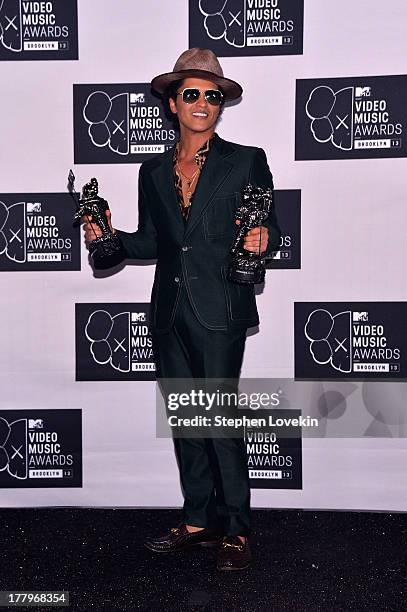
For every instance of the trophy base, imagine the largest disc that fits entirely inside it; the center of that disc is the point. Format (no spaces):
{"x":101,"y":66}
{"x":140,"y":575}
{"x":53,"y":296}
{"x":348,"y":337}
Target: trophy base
{"x":246,"y":277}
{"x":105,"y":246}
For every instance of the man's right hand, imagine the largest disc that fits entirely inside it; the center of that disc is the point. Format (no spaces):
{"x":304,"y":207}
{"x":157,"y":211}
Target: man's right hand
{"x":93,"y":231}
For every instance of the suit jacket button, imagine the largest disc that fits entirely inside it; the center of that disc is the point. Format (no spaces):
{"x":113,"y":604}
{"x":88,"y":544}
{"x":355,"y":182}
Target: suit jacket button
{"x":186,"y":248}
{"x":176,"y":279}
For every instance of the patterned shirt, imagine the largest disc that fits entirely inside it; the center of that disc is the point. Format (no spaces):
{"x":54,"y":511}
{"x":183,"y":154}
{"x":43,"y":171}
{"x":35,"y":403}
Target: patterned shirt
{"x":200,"y":158}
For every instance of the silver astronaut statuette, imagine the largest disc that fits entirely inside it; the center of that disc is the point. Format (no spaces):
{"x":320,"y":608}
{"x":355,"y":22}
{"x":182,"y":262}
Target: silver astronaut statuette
{"x":94,"y":207}
{"x":245,"y":266}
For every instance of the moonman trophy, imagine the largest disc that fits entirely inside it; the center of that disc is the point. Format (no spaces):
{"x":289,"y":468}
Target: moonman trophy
{"x":93,"y":208}
{"x":246,"y":267}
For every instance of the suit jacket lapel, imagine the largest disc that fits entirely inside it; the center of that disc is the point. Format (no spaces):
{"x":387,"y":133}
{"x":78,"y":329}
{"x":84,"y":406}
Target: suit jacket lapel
{"x":214,"y":172}
{"x":164,"y":181}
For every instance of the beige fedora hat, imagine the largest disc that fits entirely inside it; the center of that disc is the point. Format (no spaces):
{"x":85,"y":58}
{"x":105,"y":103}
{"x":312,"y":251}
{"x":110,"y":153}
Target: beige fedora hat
{"x":201,"y":63}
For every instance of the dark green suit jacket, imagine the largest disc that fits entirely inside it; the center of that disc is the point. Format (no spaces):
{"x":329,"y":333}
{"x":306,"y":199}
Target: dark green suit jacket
{"x":197,"y":253}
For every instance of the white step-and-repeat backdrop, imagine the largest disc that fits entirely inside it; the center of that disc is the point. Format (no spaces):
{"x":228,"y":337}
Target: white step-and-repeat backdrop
{"x":325,"y":96}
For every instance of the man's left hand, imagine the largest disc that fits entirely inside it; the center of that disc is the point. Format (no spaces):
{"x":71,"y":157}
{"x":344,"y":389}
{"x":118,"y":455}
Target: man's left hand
{"x":256,"y":239}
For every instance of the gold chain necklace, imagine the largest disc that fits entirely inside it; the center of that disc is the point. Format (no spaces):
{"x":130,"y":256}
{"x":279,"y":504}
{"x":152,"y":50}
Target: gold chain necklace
{"x":189,"y":180}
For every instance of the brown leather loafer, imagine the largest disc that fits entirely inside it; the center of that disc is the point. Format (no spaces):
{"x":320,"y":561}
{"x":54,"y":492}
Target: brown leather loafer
{"x":233,"y":554}
{"x":179,"y":538}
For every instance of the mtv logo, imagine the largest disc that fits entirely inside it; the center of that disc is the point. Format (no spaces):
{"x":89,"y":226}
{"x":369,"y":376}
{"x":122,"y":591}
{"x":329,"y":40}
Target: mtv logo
{"x":137,"y":97}
{"x":33,"y":207}
{"x":35,"y":423}
{"x":138,"y":316}
{"x":362,"y":92}
{"x":360,"y":316}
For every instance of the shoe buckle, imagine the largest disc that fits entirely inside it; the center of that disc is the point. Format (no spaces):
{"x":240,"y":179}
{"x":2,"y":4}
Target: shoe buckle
{"x":238,"y":546}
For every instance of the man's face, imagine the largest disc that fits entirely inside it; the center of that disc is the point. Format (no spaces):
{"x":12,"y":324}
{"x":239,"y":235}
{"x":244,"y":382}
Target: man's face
{"x":199,"y":116}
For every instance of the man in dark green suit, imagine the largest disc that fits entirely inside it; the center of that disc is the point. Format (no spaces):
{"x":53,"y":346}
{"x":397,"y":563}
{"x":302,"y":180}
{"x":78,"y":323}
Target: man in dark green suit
{"x":187,"y":202}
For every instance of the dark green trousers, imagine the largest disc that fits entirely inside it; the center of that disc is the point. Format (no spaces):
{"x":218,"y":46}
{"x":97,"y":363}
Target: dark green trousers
{"x":213,"y":471}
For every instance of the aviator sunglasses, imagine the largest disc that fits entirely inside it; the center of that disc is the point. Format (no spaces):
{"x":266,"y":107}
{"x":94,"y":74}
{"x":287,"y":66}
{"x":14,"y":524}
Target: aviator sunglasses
{"x":191,"y":95}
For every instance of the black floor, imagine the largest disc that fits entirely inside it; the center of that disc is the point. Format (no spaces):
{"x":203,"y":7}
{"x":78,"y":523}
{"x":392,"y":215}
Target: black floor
{"x":303,"y":561}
